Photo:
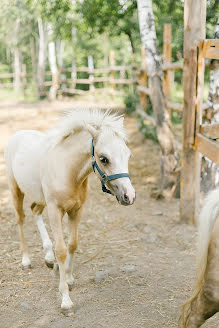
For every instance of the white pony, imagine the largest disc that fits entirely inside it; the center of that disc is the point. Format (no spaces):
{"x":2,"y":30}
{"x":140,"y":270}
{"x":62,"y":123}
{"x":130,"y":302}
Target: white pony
{"x":205,"y":300}
{"x":52,"y":170}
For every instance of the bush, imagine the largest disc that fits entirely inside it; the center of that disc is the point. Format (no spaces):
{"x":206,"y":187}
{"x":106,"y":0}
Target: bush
{"x":131,"y":101}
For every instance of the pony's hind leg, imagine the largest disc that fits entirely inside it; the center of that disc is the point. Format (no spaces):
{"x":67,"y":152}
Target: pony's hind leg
{"x":47,"y":244}
{"x":202,"y":308}
{"x":18,"y":198}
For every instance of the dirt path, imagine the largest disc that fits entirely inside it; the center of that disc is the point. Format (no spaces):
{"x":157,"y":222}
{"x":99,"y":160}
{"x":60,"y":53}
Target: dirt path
{"x":145,"y":259}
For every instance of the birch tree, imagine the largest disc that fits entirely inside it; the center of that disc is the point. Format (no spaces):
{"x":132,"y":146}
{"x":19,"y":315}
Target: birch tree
{"x":17,"y":59}
{"x":52,"y":63}
{"x":41,"y":56}
{"x":168,"y":160}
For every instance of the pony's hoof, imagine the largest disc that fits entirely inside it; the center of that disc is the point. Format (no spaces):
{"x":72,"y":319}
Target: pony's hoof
{"x":68,"y":312}
{"x":26,"y":267}
{"x":71,"y":286}
{"x":49,"y":264}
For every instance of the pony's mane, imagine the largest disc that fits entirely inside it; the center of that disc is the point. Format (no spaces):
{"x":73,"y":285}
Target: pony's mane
{"x":85,"y":119}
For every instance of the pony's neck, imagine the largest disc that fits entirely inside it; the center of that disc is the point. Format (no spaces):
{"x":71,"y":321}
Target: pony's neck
{"x":78,"y":149}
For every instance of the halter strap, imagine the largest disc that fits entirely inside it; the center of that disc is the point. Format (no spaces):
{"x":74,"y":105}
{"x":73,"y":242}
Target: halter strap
{"x":105,"y":177}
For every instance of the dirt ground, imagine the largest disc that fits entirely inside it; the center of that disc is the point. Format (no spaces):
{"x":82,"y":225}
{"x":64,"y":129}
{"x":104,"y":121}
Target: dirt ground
{"x":134,"y":266}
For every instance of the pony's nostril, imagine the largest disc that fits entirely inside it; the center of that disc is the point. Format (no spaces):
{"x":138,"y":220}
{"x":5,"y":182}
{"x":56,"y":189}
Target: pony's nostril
{"x":126,"y":199}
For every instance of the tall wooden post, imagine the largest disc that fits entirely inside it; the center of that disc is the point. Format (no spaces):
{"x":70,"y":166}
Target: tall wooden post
{"x":112,"y":64}
{"x":194,"y":31}
{"x":91,"y":73}
{"x":24,"y":78}
{"x":73,"y":74}
{"x":143,"y":79}
{"x":167,"y":58}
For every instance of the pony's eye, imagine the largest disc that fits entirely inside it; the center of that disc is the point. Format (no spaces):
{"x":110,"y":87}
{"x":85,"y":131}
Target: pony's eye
{"x":104,"y":160}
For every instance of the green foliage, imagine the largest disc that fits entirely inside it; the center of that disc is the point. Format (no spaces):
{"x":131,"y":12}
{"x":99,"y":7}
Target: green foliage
{"x":147,"y":129}
{"x":100,"y":26}
{"x":131,"y":101}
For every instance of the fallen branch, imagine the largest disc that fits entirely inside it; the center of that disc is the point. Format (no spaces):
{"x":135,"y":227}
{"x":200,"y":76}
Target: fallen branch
{"x":94,"y":255}
{"x":113,"y":226}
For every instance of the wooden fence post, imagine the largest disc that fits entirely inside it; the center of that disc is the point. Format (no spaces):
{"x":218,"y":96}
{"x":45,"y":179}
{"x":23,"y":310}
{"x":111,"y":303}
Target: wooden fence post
{"x":167,"y":59}
{"x":194,"y":31}
{"x":112,"y":63}
{"x":143,"y":79}
{"x":73,"y":74}
{"x":91,"y":74}
{"x":24,"y":78}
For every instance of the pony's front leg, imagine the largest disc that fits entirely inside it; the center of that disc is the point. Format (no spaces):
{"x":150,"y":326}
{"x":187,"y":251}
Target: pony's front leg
{"x":73,"y":221}
{"x":55,"y":216}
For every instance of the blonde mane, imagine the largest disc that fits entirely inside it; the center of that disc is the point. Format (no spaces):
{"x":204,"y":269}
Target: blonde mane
{"x":84,"y":119}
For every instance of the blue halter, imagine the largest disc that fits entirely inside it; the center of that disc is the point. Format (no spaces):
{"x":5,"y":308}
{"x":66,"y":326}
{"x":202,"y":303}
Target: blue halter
{"x":104,"y":177}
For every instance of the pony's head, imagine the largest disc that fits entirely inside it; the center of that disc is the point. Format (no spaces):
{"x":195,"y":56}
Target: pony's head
{"x":112,"y":157}
{"x":111,"y":152}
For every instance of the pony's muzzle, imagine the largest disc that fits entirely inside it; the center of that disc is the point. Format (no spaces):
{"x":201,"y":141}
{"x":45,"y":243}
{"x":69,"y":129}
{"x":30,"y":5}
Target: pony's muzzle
{"x":125,"y":193}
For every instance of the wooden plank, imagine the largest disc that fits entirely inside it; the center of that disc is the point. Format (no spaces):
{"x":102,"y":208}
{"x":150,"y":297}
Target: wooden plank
{"x":144,"y":90}
{"x":122,"y":81}
{"x":194,"y":31}
{"x":47,"y":83}
{"x":175,"y":106}
{"x":6,"y":75}
{"x":101,"y":79}
{"x":172,"y":66}
{"x":211,"y":49}
{"x":210,"y":130}
{"x":6,"y":85}
{"x":74,"y":91}
{"x":208,"y":148}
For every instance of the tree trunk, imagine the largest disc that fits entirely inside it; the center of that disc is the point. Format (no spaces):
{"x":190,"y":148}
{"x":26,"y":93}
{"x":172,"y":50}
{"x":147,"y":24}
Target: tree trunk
{"x":168,"y":161}
{"x":33,"y":59}
{"x":53,"y":65}
{"x":210,"y":171}
{"x":17,"y":61}
{"x":91,"y":75}
{"x":74,"y":65}
{"x":17,"y":70}
{"x":194,"y":31}
{"x":41,"y":58}
{"x":60,"y":52}
{"x":60,"y":60}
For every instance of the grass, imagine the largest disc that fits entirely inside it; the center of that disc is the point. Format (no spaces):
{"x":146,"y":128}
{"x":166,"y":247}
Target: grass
{"x":29,"y":96}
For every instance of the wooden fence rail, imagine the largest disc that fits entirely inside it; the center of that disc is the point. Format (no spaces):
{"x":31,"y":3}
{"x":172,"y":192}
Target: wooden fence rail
{"x":205,"y":139}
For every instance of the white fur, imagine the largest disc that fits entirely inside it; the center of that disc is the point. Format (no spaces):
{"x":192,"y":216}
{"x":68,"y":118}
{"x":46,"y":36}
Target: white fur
{"x":47,"y":244}
{"x":86,"y":119}
{"x":206,"y":221}
{"x":52,"y":170}
{"x":25,"y":260}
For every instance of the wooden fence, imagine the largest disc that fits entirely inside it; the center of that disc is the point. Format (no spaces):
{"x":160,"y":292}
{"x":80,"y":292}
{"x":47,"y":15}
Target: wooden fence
{"x":200,"y":138}
{"x":168,"y":68}
{"x":66,"y":81}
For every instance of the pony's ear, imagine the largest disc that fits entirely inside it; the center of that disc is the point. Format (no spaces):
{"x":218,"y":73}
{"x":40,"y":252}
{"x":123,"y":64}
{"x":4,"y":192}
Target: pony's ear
{"x":93,"y":131}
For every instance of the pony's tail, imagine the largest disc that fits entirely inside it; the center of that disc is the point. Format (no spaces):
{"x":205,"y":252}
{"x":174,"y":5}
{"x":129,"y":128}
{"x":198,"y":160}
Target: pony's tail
{"x":206,"y":221}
